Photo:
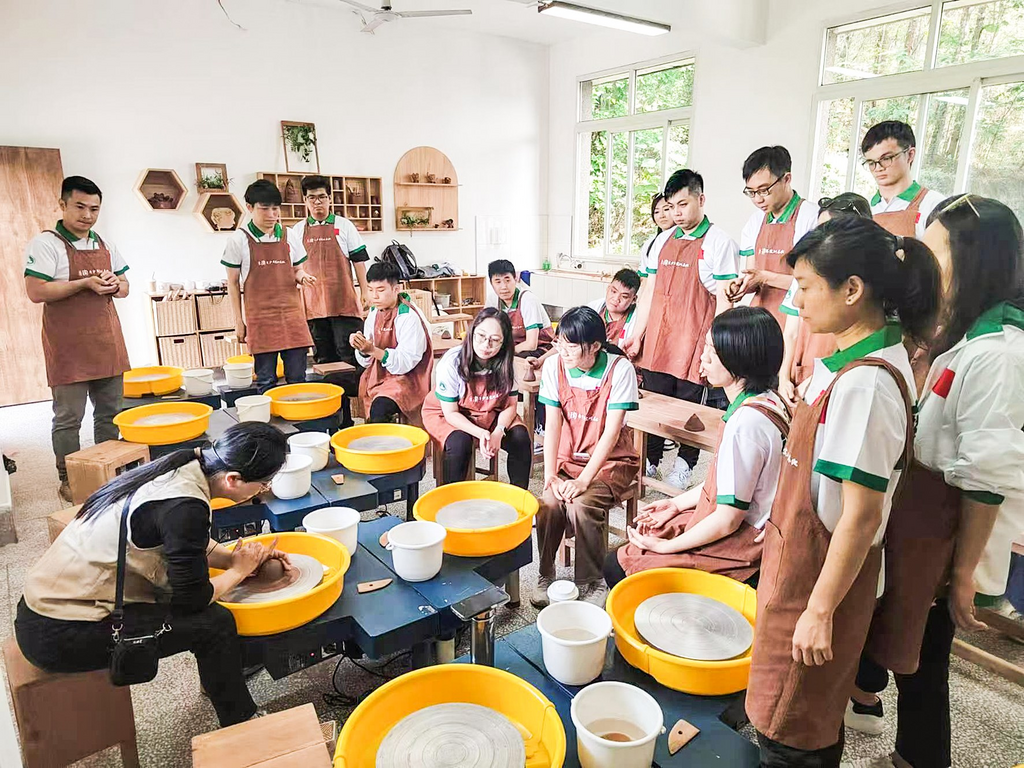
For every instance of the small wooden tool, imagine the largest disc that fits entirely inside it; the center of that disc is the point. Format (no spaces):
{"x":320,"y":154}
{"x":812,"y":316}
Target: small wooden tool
{"x":339,"y":479}
{"x":694,"y":424}
{"x":372,"y":586}
{"x":384,"y":539}
{"x":682,"y":733}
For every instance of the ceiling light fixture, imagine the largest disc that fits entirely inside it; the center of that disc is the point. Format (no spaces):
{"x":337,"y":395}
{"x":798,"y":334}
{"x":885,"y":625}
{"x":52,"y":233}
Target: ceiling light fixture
{"x":602,"y":18}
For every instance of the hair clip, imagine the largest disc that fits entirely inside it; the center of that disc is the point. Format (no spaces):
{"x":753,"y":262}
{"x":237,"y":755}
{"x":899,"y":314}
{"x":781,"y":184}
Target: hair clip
{"x":900,"y":253}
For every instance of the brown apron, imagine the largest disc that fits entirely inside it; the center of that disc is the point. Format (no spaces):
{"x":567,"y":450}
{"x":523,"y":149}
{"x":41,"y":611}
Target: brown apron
{"x":274,"y":317}
{"x":334,"y":293}
{"x":903,"y":223}
{"x":82,"y":337}
{"x":615,"y":330}
{"x":797,"y":705}
{"x":773,"y":242}
{"x":737,"y":556}
{"x":809,"y":347}
{"x":584,"y":413}
{"x":478,"y":404}
{"x":681,"y":312}
{"x":408,"y":390}
{"x":515,"y":317}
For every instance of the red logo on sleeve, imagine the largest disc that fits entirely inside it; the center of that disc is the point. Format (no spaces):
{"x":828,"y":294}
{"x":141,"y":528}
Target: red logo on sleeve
{"x":944,"y":383}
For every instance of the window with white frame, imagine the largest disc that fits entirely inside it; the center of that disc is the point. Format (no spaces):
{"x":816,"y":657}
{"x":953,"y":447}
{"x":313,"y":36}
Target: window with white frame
{"x":633,"y":130}
{"x":953,"y":70}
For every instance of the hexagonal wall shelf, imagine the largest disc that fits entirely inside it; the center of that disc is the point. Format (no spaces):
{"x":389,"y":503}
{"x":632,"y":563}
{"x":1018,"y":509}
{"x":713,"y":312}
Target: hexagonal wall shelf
{"x":220,"y":211}
{"x":160,"y":189}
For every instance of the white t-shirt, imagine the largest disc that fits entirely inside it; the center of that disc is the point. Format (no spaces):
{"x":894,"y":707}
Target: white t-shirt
{"x":534,"y":314}
{"x":750,"y":458}
{"x":450,"y":386}
{"x":410,"y":340}
{"x":719,"y":257}
{"x":650,"y":250}
{"x":236,"y":250}
{"x":349,"y":239}
{"x":625,"y":394}
{"x":627,"y":330}
{"x":787,"y":306}
{"x":806,"y":220}
{"x":47,"y":258}
{"x":903,"y":200}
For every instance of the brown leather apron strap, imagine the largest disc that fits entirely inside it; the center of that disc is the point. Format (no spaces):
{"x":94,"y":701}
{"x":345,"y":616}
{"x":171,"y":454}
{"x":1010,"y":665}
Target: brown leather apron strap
{"x":773,"y":416}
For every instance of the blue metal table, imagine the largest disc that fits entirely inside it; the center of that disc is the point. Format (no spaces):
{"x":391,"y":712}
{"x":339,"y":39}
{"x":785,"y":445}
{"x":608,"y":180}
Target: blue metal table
{"x":180,"y":396}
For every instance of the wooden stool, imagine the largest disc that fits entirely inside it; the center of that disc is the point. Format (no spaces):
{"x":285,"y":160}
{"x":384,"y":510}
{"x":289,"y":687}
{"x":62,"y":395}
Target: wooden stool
{"x":490,"y":472}
{"x":629,"y":501}
{"x":63,"y":718}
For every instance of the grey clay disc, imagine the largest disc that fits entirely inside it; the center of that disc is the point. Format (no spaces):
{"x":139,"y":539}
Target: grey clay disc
{"x":475,"y":514}
{"x":379,"y":443}
{"x":693,"y":627}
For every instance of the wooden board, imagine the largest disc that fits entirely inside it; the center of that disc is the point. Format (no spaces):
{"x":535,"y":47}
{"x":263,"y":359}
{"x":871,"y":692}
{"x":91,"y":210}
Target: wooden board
{"x":30,"y":181}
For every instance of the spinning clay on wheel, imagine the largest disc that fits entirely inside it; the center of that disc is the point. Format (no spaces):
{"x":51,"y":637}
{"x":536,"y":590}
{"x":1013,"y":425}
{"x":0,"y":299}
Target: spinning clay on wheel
{"x":693,"y":626}
{"x":471,"y":514}
{"x":273,"y":581}
{"x":380,"y":443}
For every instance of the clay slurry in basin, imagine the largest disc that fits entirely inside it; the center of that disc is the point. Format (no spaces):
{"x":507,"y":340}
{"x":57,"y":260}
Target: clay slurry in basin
{"x":448,"y":735}
{"x":693,"y":627}
{"x":474,"y":514}
{"x":150,"y":377}
{"x":270,"y":583}
{"x":379,"y":443}
{"x":163,"y":419}
{"x":303,"y":397}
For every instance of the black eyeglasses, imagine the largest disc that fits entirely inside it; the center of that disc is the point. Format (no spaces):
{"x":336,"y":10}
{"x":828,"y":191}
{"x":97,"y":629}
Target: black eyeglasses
{"x":763,"y":192}
{"x":883,"y":162}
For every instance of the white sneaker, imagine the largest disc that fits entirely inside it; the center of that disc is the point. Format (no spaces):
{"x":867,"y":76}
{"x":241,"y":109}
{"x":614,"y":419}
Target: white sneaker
{"x":651,"y":470}
{"x":866,"y":719}
{"x":883,"y":761}
{"x":539,"y":598}
{"x":680,"y":475}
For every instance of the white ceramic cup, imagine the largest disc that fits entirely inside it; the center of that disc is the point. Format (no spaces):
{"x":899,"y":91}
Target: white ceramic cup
{"x":340,"y":523}
{"x":198,"y":382}
{"x":562,"y":591}
{"x":316,"y":445}
{"x":417,"y":549}
{"x":292,"y":481}
{"x":254,"y":408}
{"x":238,"y":375}
{"x":604,"y":708}
{"x":574,"y":638}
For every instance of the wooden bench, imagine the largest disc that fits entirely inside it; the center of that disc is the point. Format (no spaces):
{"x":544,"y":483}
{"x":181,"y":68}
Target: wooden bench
{"x":629,"y":502}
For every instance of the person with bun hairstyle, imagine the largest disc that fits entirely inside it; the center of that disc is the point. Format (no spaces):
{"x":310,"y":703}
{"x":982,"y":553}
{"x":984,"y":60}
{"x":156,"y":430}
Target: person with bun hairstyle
{"x":63,"y":621}
{"x":849,"y":442}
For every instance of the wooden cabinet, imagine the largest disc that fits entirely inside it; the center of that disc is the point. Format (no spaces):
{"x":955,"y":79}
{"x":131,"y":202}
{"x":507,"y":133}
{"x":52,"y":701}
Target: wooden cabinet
{"x":197,"y":332}
{"x":426,"y":186}
{"x":467,"y":294}
{"x":357,"y":198}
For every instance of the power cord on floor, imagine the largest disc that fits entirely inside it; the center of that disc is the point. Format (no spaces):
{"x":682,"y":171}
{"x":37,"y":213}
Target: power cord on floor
{"x":341,"y":699}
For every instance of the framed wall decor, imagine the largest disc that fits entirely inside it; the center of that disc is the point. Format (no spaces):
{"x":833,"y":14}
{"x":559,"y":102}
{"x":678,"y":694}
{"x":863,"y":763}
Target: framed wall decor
{"x":212,"y":177}
{"x":300,"y":152}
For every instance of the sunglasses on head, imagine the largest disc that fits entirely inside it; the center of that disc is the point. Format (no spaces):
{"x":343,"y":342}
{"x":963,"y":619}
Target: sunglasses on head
{"x":837,"y":204}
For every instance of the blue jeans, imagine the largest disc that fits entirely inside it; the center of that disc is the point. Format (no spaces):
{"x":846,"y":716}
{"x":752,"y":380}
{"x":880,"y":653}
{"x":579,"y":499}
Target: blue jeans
{"x":265,"y":366}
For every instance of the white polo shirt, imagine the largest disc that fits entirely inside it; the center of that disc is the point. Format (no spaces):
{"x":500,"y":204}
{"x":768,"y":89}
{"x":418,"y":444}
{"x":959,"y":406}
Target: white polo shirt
{"x":534,"y":314}
{"x":903,"y":200}
{"x":627,"y":330}
{"x":625,"y":394}
{"x":236,"y":250}
{"x":47,"y":258}
{"x":450,"y":386}
{"x":806,"y":220}
{"x":750,"y":457}
{"x":719,"y":256}
{"x":345,"y":231}
{"x":410,"y":340}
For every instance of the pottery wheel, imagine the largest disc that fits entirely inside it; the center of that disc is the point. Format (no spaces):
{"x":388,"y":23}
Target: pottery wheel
{"x":308,"y":573}
{"x":149,"y":377}
{"x":471,"y":514}
{"x":379,"y":443}
{"x":163,"y":419}
{"x":301,"y":398}
{"x":693,"y":627}
{"x":450,"y":736}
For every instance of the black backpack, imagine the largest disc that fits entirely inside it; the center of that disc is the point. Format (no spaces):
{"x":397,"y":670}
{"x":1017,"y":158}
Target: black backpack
{"x":401,"y":257}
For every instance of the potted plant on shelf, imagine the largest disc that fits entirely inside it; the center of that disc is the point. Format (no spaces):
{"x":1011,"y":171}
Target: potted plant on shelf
{"x":300,"y":146}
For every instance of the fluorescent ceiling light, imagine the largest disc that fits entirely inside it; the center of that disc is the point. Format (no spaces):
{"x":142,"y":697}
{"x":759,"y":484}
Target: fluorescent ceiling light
{"x":961,"y":100}
{"x":850,"y":72}
{"x":602,"y":18}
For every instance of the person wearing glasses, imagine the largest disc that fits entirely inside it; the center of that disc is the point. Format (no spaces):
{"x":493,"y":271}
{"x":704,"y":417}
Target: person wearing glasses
{"x":901,"y":205}
{"x":782,"y":219}
{"x":475,"y":400}
{"x":334,"y":310}
{"x":63,"y":622}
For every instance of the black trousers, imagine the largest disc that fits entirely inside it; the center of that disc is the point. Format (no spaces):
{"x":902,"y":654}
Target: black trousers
{"x":612,"y":570}
{"x":923,"y":728}
{"x":460,"y":450}
{"x":383,"y":410}
{"x":776,"y":755}
{"x":330,"y":345}
{"x":265,"y":366}
{"x":83,"y":646}
{"x":680,"y":389}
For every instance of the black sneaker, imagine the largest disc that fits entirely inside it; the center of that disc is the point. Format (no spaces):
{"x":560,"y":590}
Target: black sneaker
{"x":866,"y":718}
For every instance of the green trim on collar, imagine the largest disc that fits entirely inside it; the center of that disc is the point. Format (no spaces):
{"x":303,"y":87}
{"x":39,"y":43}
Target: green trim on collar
{"x":732,"y":501}
{"x":629,"y":314}
{"x":994,"y":318}
{"x":66,"y":233}
{"x":699,"y":232}
{"x":545,"y":401}
{"x":787,"y":212}
{"x":258,"y":233}
{"x":597,"y":371}
{"x":908,"y":194}
{"x":513,"y":305}
{"x":841,"y":472}
{"x":735,"y":404}
{"x":891,"y":334}
{"x":313,"y":222}
{"x":40,"y":275}
{"x":985,"y":497}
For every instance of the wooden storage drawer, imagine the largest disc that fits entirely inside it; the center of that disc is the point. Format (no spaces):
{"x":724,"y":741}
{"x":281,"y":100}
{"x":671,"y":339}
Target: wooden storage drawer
{"x":215,"y":312}
{"x":174,"y":318}
{"x":218,"y":347}
{"x":182,"y":351}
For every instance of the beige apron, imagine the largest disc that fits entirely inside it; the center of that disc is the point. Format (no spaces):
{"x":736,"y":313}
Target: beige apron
{"x":334,"y":293}
{"x":408,"y":390}
{"x":903,"y":223}
{"x":773,"y":242}
{"x":274,"y":317}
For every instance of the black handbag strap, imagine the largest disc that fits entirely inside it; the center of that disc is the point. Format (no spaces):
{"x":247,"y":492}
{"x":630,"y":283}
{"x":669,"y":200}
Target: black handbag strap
{"x":122,"y":555}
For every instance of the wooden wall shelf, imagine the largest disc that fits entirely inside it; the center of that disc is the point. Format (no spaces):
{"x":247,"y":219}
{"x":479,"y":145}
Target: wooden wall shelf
{"x":212,"y":209}
{"x":356,"y":198}
{"x":443,"y":199}
{"x":160,"y":189}
{"x":461,"y":288}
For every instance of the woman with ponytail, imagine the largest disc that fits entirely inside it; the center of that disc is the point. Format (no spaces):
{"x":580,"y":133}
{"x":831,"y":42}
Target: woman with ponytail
{"x":63,"y":620}
{"x":848,"y":443}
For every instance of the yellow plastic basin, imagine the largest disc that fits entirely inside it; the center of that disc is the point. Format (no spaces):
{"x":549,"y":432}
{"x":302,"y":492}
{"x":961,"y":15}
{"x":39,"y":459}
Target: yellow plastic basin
{"x":221,"y":503}
{"x":703,"y":678}
{"x":138,"y":382}
{"x":480,"y":542}
{"x":163,"y":434}
{"x":281,"y":615}
{"x":249,"y":359}
{"x":328,"y":403}
{"x":380,"y":462}
{"x":527,"y":708}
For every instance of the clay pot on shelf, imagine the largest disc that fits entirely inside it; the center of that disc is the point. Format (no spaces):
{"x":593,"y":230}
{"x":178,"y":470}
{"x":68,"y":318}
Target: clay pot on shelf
{"x":446,"y":180}
{"x":414,"y":178}
{"x":291,"y":193}
{"x":431,"y":178}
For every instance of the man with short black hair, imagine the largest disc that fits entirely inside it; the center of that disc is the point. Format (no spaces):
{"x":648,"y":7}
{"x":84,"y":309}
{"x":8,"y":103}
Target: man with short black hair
{"x":901,"y":205}
{"x":261,"y":263}
{"x":76,"y":275}
{"x":531,"y":326}
{"x":618,"y":307}
{"x":782,"y":219}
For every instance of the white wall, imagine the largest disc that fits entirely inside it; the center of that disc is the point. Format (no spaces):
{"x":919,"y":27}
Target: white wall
{"x":122,"y":85}
{"x":744,"y":98}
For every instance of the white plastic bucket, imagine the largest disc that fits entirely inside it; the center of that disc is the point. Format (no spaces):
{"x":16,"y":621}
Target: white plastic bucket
{"x":417,"y":549}
{"x":238,"y":375}
{"x":293,"y":479}
{"x":622,"y":712}
{"x":574,"y":638}
{"x":198,"y":382}
{"x":254,"y":408}
{"x":340,"y":523}
{"x":316,"y":445}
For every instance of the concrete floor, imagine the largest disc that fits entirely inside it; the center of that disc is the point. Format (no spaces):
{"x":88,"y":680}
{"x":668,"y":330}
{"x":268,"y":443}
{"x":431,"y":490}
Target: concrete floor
{"x":988,"y":712}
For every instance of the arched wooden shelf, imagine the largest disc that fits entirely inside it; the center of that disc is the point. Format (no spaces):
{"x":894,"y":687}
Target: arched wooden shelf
{"x":441,"y":199}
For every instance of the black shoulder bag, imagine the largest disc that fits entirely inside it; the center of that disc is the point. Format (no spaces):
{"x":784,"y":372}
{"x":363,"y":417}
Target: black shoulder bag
{"x":133,"y":659}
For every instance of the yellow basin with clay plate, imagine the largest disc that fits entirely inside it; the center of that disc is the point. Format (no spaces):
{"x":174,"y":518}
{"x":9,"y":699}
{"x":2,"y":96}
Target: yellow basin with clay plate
{"x":163,"y":434}
{"x":529,"y":710}
{"x":480,"y":542}
{"x":703,"y":678}
{"x":328,"y":402}
{"x":269,"y":618}
{"x":380,"y":462}
{"x":249,"y":359}
{"x":140,"y":382}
